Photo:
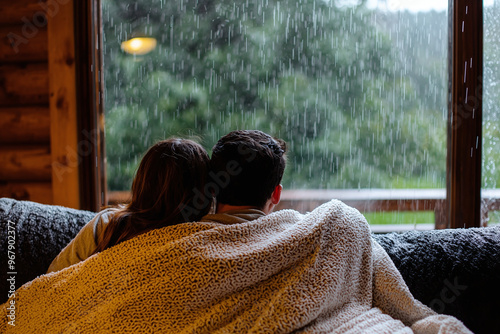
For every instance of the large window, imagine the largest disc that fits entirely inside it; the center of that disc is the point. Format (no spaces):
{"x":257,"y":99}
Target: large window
{"x":358,"y":90}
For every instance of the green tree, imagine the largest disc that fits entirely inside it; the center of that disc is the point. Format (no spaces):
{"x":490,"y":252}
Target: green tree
{"x":329,"y":80}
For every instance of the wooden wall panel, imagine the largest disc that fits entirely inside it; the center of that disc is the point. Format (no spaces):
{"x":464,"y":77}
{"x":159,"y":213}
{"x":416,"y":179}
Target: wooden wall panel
{"x":25,"y":163}
{"x":25,"y":125}
{"x":40,"y":192}
{"x":25,"y":157}
{"x":22,"y":11}
{"x":24,"y":84}
{"x":14,"y":47}
{"x":63,"y":109}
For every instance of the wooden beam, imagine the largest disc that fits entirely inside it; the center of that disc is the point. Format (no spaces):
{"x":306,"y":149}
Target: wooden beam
{"x":63,"y":108}
{"x":40,"y":192}
{"x":25,"y":125}
{"x":25,"y":163}
{"x":24,"y":84}
{"x":15,"y":48}
{"x":465,"y":114}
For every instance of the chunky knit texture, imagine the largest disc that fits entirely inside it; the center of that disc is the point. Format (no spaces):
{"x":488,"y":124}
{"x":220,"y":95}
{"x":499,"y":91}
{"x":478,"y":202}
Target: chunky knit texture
{"x":40,"y":232}
{"x":454,"y":271}
{"x":285,"y":272}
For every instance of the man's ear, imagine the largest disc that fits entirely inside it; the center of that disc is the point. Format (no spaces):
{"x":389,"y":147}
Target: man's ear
{"x":276,"y":195}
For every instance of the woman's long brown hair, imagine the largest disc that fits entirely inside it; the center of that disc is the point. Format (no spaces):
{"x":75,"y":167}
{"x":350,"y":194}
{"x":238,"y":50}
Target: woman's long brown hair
{"x":166,"y":190}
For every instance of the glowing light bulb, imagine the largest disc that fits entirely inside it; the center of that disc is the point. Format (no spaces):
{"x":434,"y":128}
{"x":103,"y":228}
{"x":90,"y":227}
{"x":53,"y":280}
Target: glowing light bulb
{"x":135,"y":44}
{"x":139,"y":45}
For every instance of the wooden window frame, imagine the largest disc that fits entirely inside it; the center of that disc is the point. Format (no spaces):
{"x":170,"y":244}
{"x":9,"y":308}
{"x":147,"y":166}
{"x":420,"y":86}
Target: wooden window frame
{"x":464,"y":126}
{"x":90,"y":112}
{"x":465,"y":57}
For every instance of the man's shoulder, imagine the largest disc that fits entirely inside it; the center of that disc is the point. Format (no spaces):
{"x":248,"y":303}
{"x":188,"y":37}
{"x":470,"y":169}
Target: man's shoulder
{"x":337,"y":214}
{"x":233,"y":217}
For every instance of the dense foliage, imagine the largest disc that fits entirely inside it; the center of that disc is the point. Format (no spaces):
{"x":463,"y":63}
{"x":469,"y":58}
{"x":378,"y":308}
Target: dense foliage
{"x":359,"y":95}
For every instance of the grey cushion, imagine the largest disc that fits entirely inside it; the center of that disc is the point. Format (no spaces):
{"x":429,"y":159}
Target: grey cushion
{"x":454,"y":271}
{"x":40,"y":232}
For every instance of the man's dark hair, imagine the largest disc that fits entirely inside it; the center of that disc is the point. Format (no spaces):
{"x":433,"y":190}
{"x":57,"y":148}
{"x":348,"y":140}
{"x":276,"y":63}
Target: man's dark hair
{"x":253,"y":162}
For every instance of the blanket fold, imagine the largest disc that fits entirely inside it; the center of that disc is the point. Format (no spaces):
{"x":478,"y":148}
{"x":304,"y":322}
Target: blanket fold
{"x":285,"y":272}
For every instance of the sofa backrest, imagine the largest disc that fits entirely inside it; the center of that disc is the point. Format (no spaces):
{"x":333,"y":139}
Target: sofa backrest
{"x":453,"y":271}
{"x":31,"y":236}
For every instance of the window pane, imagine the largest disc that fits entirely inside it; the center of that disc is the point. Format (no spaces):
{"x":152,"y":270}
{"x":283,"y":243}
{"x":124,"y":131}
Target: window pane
{"x":358,"y":90}
{"x":491,"y":110}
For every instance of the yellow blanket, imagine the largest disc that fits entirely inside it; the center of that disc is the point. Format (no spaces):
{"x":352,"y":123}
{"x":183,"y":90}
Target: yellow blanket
{"x":314,"y":273}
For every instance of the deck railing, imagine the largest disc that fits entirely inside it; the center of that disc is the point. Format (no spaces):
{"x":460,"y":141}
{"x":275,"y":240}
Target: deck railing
{"x":372,"y":200}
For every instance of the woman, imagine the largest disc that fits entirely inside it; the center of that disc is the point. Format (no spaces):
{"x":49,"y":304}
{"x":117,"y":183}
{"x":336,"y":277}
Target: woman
{"x":168,"y":179}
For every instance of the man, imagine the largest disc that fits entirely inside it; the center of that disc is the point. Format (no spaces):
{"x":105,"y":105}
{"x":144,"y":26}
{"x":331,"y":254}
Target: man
{"x":252,"y":163}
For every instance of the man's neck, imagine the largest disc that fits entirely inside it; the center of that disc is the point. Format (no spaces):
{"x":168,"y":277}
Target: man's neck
{"x":267,"y":209}
{"x":221,"y":207}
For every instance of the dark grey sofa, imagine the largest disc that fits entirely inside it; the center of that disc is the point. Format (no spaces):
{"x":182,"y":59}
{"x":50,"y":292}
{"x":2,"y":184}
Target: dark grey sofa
{"x":455,"y":272}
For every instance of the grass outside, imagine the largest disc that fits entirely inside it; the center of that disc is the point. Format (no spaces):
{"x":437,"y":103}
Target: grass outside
{"x":494,"y":218}
{"x":400,"y":217}
{"x":414,"y":218}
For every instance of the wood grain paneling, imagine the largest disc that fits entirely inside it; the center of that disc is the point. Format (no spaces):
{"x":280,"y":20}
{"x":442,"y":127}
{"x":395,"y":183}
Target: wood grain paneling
{"x":25,"y":159}
{"x":63,"y":109}
{"x":14,"y":47}
{"x":24,"y":84}
{"x":25,"y":125}
{"x":40,"y":192}
{"x":22,"y":11}
{"x":25,"y":163}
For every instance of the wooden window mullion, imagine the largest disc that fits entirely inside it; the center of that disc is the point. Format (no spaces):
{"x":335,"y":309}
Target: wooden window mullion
{"x":91,"y":150}
{"x":465,"y":113}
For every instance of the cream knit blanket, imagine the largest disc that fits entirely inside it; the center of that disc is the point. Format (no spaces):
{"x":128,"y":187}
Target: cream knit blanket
{"x":285,"y":272}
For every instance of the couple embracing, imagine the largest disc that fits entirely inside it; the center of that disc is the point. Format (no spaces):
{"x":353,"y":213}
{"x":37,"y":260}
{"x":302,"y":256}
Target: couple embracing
{"x":174,"y":260}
